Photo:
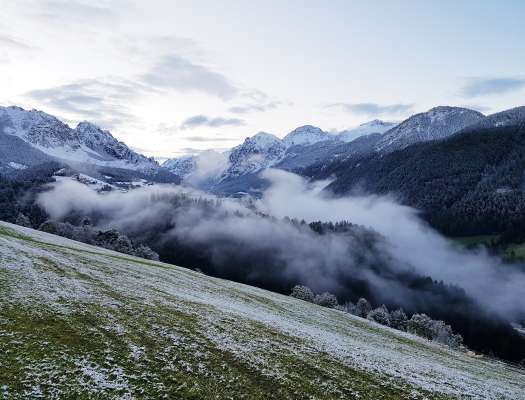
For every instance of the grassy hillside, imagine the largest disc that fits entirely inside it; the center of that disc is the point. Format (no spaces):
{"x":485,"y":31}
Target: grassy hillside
{"x":511,"y":252}
{"x":80,"y":322}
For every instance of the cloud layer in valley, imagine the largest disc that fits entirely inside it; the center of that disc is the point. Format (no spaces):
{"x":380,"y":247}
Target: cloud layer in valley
{"x":234,"y":233}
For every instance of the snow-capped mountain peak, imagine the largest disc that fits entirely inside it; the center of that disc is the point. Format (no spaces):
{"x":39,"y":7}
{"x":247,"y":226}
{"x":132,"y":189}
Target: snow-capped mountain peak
{"x":437,"y":123}
{"x":36,"y":127}
{"x":368,"y":128}
{"x":260,"y":151}
{"x":376,"y":123}
{"x":181,"y":166}
{"x":263,"y":140}
{"x":87,"y":143}
{"x":103,"y":142}
{"x":91,"y":135}
{"x":306,"y":135}
{"x":88,"y":128}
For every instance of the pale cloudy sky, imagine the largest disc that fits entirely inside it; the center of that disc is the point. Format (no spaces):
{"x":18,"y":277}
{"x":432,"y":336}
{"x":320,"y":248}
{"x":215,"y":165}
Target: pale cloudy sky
{"x":171,"y":77}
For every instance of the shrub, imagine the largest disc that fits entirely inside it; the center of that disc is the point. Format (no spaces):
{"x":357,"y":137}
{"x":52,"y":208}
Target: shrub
{"x":303,"y":293}
{"x":326,"y":300}
{"x":421,"y":325}
{"x":49,"y":227}
{"x":23,"y":220}
{"x":123,"y":245}
{"x":362,"y":308}
{"x":380,"y":315}
{"x":398,"y":319}
{"x":443,"y":334}
{"x":145,"y":252}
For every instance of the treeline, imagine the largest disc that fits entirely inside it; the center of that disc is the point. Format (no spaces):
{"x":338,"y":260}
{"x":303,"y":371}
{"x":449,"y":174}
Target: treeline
{"x":419,"y":324}
{"x":18,"y":194}
{"x":110,"y":239}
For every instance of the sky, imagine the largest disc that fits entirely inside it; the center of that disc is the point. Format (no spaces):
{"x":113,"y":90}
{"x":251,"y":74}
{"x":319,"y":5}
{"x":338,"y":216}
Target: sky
{"x":174,"y":77}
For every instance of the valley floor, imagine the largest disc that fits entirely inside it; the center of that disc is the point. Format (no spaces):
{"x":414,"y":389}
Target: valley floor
{"x":81,"y":322}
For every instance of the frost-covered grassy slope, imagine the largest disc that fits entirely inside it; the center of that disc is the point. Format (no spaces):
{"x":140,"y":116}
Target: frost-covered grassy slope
{"x":81,"y":322}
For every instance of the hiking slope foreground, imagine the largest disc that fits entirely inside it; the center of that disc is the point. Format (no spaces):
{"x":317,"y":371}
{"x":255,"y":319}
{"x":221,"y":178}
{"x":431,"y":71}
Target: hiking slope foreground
{"x":82,"y":322}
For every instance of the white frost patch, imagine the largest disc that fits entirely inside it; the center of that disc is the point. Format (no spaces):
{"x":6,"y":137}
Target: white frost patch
{"x":136,"y":352}
{"x":99,"y":378}
{"x":17,"y":165}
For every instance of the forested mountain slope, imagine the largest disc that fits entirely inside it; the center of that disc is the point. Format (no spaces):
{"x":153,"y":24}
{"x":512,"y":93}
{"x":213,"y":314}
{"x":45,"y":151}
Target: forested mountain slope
{"x":471,"y":183}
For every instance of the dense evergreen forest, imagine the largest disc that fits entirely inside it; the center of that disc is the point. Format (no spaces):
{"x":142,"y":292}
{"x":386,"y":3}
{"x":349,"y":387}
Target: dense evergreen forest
{"x":18,"y":193}
{"x":470,"y":184}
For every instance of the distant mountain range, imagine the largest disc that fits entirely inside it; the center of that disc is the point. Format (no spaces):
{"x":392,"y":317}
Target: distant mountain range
{"x":304,"y":146}
{"x":446,"y":161}
{"x":309,"y":150}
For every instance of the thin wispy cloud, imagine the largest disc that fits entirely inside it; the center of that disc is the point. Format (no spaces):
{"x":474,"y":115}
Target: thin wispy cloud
{"x":179,"y":73}
{"x":254,"y":100}
{"x":74,"y":11}
{"x":14,"y":43}
{"x":206,"y":139}
{"x":374,"y":109}
{"x":250,"y":108}
{"x":187,"y":151}
{"x":198,"y":121}
{"x":100,"y":101}
{"x":476,"y":87}
{"x":106,"y":101}
{"x":12,"y":47}
{"x":142,"y":49}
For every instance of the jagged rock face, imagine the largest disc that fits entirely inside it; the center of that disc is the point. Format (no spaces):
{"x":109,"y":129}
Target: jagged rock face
{"x":37,"y":127}
{"x":258,"y":152}
{"x":182,"y":166}
{"x":437,"y":123}
{"x":102,"y":142}
{"x":86,"y":143}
